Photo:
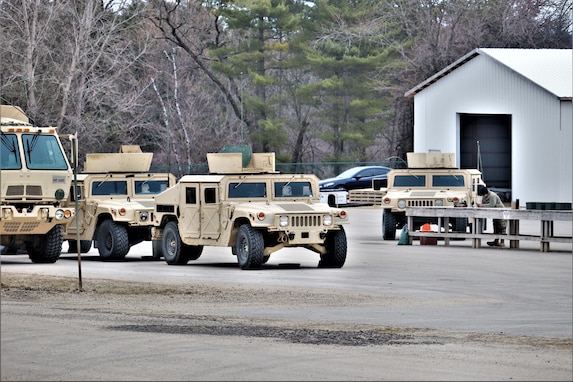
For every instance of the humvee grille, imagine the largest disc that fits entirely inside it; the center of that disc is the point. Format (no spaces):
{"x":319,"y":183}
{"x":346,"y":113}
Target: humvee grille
{"x":34,"y":190}
{"x":306,"y":221}
{"x":420,"y":203}
{"x":19,"y":191}
{"x":13,"y":227}
{"x":15,"y":190}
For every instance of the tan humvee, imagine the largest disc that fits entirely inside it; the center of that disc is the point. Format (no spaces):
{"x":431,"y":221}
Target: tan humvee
{"x":431,"y":179}
{"x":252,"y":209}
{"x":116,"y":202}
{"x":35,"y":179}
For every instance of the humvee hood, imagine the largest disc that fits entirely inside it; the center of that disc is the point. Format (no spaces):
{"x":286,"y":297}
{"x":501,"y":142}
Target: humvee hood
{"x":292,"y":207}
{"x":132,"y":204}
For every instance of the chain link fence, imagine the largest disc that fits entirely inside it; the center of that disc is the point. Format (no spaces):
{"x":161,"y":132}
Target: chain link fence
{"x":322,"y":170}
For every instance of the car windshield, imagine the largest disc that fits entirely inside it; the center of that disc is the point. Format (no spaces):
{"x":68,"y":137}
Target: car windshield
{"x":349,"y":173}
{"x":363,"y":171}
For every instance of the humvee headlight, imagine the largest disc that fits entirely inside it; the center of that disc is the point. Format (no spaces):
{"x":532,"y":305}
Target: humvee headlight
{"x":59,"y":214}
{"x":401,"y":204}
{"x":283,"y":221}
{"x":122,"y":211}
{"x":439,"y":203}
{"x":327,"y":219}
{"x":143,"y":216}
{"x":59,"y":194}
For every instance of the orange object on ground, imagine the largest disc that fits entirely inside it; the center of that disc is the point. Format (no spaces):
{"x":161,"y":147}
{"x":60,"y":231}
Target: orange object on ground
{"x":427,"y":240}
{"x":426,"y":228}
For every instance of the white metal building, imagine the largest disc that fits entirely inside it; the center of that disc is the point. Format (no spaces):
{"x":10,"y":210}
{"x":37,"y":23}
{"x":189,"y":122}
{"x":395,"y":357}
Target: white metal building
{"x":507,"y":112}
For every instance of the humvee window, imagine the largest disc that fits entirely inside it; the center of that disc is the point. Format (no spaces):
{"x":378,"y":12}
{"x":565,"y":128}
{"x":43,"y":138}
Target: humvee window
{"x":447,"y":181}
{"x":210,"y":195}
{"x":410,"y":181}
{"x":150,"y":186}
{"x":247,"y":190}
{"x":109,"y":188}
{"x":191,"y":195}
{"x":292,"y":189}
{"x":10,"y":157}
{"x":43,"y":152}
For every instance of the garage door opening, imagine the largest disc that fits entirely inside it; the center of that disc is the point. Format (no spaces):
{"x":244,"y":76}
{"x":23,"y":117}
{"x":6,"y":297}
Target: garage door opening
{"x":486,"y":138}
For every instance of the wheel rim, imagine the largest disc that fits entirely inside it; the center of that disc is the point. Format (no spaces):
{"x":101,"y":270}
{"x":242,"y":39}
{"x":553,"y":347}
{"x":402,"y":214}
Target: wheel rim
{"x":171,"y":245}
{"x":108,"y":241}
{"x":243,"y":250}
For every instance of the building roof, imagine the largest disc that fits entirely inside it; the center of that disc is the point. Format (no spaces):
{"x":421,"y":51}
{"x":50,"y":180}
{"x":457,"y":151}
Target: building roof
{"x":550,"y":69}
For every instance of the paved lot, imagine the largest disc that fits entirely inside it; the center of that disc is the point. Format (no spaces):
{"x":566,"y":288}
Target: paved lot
{"x":392,"y":312}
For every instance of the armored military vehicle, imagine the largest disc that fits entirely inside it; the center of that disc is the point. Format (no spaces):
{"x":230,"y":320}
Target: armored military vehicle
{"x":246,"y":205}
{"x":116,"y":195}
{"x":35,"y":179}
{"x":431,"y":179}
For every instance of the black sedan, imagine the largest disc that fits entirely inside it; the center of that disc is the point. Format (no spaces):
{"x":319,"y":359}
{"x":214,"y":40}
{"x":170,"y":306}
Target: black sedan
{"x":355,"y":178}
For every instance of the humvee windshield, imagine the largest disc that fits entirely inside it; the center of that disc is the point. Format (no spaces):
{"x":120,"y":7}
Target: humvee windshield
{"x":109,"y":188}
{"x":42,"y":152}
{"x":292,"y":189}
{"x":448,"y":181}
{"x":9,"y":154}
{"x":247,"y":190}
{"x":437,"y":181}
{"x":410,"y":181}
{"x":146,"y":187}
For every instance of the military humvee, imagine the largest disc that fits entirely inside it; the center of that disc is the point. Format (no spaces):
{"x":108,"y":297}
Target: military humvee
{"x":431,"y":179}
{"x":35,"y":178}
{"x":116,"y":195}
{"x":250,"y":208}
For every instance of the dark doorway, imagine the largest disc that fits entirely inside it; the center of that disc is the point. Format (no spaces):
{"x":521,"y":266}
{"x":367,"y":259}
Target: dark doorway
{"x":488,"y":137}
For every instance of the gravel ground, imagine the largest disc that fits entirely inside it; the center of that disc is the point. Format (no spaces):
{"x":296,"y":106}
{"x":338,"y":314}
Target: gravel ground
{"x":163,"y":310}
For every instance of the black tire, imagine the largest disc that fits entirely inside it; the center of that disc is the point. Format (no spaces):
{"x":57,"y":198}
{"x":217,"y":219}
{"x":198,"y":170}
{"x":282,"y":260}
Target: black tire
{"x":72,"y":246}
{"x":388,"y":225}
{"x":250,"y":248}
{"x":85,"y":246}
{"x":112,"y":241}
{"x":11,"y":249}
{"x":193,"y":252}
{"x":157,"y":249}
{"x":336,"y":247}
{"x":174,"y":251}
{"x":460,"y":224}
{"x":46,"y":248}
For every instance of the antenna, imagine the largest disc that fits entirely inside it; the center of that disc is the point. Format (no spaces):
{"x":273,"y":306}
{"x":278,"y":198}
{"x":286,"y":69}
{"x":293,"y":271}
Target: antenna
{"x":479,"y":163}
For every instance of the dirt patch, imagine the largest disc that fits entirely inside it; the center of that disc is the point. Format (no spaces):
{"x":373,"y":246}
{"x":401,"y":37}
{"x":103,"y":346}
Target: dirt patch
{"x":170,"y":308}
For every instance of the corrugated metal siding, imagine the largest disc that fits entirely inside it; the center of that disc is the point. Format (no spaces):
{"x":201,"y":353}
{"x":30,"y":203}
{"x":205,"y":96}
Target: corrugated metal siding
{"x":551,"y":69}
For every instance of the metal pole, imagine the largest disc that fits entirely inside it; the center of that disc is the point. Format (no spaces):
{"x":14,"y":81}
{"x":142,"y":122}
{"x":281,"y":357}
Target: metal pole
{"x":74,"y":139}
{"x":242,"y":110}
